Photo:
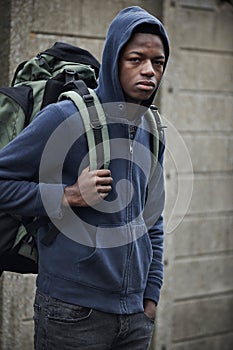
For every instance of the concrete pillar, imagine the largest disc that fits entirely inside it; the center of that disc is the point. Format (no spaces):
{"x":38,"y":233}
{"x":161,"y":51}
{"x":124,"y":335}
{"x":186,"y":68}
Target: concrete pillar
{"x":196,"y":97}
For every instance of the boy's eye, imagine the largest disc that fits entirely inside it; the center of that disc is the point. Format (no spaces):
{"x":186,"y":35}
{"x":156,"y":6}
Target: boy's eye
{"x":135,"y":59}
{"x":159,"y":63}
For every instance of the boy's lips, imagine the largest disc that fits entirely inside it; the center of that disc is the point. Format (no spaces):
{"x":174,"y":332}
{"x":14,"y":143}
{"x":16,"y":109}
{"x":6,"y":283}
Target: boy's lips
{"x":146,"y":85}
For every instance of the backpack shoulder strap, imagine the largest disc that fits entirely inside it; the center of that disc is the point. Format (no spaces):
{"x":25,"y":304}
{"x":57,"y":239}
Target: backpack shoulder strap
{"x":157,"y":131}
{"x":95,"y":124}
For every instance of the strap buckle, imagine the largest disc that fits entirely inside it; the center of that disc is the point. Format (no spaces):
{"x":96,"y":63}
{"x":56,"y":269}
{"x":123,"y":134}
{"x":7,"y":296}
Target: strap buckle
{"x":88,"y":98}
{"x":95,"y":125}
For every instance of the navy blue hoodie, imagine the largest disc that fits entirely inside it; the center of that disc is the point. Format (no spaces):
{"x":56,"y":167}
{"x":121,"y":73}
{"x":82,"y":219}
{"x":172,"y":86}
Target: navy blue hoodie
{"x":107,"y":257}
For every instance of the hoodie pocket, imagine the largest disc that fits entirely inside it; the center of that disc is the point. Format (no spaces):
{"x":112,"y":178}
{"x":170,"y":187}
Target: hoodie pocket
{"x":141,"y":258}
{"x":104,"y":268}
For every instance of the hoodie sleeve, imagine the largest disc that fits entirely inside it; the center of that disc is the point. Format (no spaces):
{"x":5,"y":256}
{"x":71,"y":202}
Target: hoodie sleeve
{"x":20,"y":190}
{"x":154,"y":221}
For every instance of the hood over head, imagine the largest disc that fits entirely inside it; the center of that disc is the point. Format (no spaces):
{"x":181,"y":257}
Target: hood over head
{"x":128,"y":21}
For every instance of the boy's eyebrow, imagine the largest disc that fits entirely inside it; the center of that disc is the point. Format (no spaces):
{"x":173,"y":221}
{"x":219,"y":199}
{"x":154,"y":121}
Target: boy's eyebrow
{"x":142,"y":54}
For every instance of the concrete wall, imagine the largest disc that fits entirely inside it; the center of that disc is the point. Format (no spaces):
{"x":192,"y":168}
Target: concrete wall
{"x":195,"y":310}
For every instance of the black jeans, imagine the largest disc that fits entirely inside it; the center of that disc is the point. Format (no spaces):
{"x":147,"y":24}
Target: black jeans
{"x":59,"y":325}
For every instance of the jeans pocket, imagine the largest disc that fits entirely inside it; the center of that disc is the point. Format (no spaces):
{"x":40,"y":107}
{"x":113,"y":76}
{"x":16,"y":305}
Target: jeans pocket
{"x":66,"y":324}
{"x":85,"y":314}
{"x":62,"y":312}
{"x":151,"y":320}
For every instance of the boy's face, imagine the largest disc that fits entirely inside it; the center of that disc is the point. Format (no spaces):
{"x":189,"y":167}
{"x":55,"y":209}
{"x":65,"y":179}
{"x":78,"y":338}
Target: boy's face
{"x":141,"y":65}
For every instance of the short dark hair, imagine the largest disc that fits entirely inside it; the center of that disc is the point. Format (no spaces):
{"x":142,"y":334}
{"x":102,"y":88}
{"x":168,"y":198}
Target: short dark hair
{"x":147,"y":28}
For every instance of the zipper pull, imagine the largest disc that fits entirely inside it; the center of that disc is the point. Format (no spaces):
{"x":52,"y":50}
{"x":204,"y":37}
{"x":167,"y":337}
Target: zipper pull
{"x":131,"y":146}
{"x":132,"y":132}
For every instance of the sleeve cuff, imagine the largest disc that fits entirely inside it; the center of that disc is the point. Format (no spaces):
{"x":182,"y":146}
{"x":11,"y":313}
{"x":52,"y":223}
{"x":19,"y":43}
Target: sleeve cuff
{"x":152,"y":292}
{"x":51,"y":196}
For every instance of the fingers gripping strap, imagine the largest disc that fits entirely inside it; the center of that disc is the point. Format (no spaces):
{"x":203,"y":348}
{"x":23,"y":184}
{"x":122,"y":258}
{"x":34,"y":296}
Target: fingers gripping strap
{"x":80,"y":104}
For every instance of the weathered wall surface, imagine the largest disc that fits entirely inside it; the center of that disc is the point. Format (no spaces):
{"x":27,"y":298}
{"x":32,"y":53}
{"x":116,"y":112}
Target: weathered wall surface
{"x":195,"y":310}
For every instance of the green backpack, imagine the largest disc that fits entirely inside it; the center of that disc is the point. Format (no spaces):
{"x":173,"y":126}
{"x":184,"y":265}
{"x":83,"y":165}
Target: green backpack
{"x":63,"y":71}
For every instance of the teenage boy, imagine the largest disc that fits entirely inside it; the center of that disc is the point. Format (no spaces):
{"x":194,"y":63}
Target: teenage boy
{"x":98,"y":289}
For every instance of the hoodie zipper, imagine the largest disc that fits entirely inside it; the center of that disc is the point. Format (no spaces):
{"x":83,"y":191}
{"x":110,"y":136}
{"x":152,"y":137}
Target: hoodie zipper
{"x":132,"y":132}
